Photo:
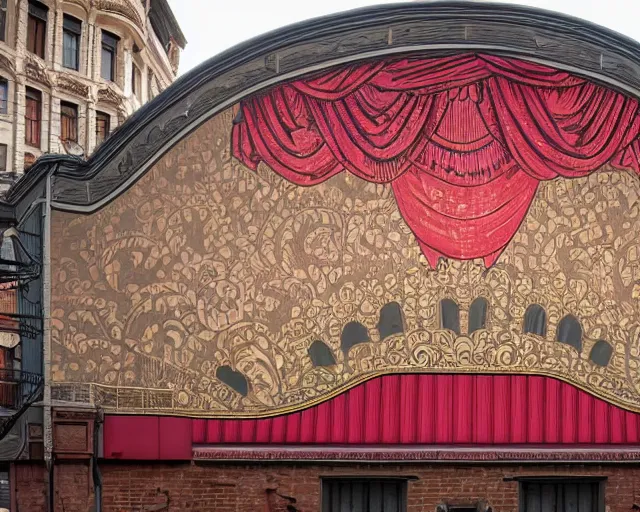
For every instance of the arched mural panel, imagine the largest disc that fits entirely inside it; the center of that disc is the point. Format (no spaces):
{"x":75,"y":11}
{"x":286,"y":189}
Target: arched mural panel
{"x":215,"y":259}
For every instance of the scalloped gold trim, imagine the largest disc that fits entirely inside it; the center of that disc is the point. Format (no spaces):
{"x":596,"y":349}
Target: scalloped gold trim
{"x":199,"y":413}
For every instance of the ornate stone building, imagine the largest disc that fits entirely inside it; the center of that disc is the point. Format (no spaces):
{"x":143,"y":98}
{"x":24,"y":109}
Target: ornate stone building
{"x":71,"y":71}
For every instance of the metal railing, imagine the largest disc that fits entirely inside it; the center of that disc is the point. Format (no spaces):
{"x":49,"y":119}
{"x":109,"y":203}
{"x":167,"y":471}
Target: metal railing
{"x":17,"y":387}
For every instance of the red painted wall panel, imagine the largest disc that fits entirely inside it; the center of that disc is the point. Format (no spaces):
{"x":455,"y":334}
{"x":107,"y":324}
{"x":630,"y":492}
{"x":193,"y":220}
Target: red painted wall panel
{"x":447,"y":409}
{"x":399,"y":409}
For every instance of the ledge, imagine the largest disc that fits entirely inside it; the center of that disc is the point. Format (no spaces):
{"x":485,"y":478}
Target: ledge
{"x":484,"y":454}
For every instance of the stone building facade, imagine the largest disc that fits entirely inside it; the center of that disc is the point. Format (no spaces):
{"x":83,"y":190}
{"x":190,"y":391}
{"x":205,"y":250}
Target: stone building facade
{"x":53,"y":68}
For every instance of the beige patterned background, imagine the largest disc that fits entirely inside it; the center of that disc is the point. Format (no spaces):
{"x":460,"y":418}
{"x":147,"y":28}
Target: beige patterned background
{"x":205,"y":263}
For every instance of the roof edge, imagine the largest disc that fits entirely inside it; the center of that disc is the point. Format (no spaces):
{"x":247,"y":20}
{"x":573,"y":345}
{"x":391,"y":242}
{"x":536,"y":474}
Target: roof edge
{"x":432,"y":28}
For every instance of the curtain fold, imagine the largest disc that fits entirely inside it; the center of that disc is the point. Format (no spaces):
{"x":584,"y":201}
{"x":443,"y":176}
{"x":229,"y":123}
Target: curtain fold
{"x":464,"y":140}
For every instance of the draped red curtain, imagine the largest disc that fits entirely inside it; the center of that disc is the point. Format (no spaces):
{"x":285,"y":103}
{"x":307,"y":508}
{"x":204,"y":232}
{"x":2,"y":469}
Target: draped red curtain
{"x":464,"y":140}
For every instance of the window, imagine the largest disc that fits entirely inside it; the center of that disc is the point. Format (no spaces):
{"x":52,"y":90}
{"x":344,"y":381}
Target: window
{"x":391,"y":320}
{"x":136,"y":81}
{"x":478,"y":314}
{"x":320,"y":354}
{"x":570,"y":332}
{"x":103,"y":127}
{"x":4,"y":95}
{"x":68,"y":122}
{"x":3,"y":158}
{"x":37,"y":28}
{"x":5,"y":489}
{"x":33,"y":117}
{"x":562,"y":496}
{"x":71,"y":33}
{"x":601,"y":353}
{"x":389,"y":495}
{"x":109,"y":53}
{"x":353,"y":334}
{"x":234,"y":379}
{"x":450,"y":315}
{"x":3,"y":20}
{"x":535,"y":320}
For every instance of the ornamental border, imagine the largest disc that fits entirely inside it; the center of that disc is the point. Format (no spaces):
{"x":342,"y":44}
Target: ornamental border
{"x":398,"y":454}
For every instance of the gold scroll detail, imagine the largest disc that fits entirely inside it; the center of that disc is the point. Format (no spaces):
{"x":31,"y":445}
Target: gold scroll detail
{"x":205,"y":263}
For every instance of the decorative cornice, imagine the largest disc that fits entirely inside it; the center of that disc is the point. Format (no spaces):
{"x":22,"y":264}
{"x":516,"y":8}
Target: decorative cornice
{"x":85,"y":4}
{"x":36,"y":70}
{"x":402,"y":454}
{"x":123,"y":8}
{"x":68,"y":84}
{"x":7,"y":64}
{"x":433,"y":28}
{"x":109,"y":96}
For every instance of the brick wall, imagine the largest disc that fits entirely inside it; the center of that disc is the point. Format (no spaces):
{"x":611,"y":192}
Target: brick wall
{"x":272,"y":488}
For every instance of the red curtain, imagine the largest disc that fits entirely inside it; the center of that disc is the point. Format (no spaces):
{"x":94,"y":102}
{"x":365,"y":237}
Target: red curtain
{"x":464,"y":140}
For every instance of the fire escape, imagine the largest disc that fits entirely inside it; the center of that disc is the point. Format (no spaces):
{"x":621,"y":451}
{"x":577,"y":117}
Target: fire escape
{"x":21,"y":322}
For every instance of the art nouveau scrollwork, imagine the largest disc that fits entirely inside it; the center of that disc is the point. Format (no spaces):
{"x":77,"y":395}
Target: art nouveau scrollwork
{"x":206,"y":264}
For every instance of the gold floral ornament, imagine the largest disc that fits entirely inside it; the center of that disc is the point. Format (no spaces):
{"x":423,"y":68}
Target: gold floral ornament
{"x":201,"y":290}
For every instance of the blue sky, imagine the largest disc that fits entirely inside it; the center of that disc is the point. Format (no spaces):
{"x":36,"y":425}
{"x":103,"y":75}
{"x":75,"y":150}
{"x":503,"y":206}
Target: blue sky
{"x":212,"y":26}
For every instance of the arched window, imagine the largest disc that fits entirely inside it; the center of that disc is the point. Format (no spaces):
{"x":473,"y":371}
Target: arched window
{"x":391,"y":320}
{"x":570,"y":332}
{"x":353,"y":334}
{"x":601,"y":353}
{"x":450,"y":315}
{"x":321,"y":354}
{"x":234,"y":379}
{"x":478,"y":314}
{"x":535,"y":320}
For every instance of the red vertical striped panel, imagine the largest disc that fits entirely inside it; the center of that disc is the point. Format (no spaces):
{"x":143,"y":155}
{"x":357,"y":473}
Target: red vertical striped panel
{"x":501,"y":409}
{"x":443,"y":416}
{"x":463,"y":409}
{"x":400,"y":409}
{"x":426,"y":423}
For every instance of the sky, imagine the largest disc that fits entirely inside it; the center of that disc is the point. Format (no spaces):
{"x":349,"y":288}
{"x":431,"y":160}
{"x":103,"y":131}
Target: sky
{"x":212,"y":26}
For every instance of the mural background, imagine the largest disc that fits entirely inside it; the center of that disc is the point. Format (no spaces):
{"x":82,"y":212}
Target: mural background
{"x":205,"y":263}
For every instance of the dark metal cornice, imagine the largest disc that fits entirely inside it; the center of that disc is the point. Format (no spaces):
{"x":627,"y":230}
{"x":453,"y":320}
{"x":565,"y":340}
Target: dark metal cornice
{"x":430,"y":28}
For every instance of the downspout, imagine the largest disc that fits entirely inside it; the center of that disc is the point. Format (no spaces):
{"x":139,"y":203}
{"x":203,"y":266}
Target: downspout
{"x":97,"y":476}
{"x":46,"y":338}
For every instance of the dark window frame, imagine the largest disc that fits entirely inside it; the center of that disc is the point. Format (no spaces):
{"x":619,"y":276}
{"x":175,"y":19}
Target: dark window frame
{"x":401,"y":482}
{"x":106,"y":119}
{"x":3,"y":20}
{"x":71,"y":30}
{"x":37,"y":28}
{"x":524,"y":481}
{"x":449,"y":312}
{"x":4,"y":149}
{"x":4,"y":95}
{"x":535,"y":316}
{"x":109,"y":45}
{"x":5,"y":486}
{"x":33,"y":125}
{"x":478,"y":315}
{"x":69,"y":118}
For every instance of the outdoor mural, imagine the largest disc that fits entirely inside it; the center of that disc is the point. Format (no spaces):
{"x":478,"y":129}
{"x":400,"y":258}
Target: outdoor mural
{"x":436,"y":215}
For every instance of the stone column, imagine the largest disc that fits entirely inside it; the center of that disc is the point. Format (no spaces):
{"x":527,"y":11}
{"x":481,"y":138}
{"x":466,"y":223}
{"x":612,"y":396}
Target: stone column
{"x":56,"y":20}
{"x":91,"y":127}
{"x":19,"y":131}
{"x":55,"y":144}
{"x":128,"y":67}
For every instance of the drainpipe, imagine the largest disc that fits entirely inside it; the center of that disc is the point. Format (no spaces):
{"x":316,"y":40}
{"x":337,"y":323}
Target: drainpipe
{"x":97,"y":476}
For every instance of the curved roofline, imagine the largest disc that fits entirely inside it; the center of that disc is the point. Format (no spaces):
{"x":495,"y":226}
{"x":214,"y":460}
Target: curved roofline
{"x":430,"y":28}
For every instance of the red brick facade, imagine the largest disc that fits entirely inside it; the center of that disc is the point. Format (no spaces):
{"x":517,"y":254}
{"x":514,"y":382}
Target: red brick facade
{"x":272,"y":488}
